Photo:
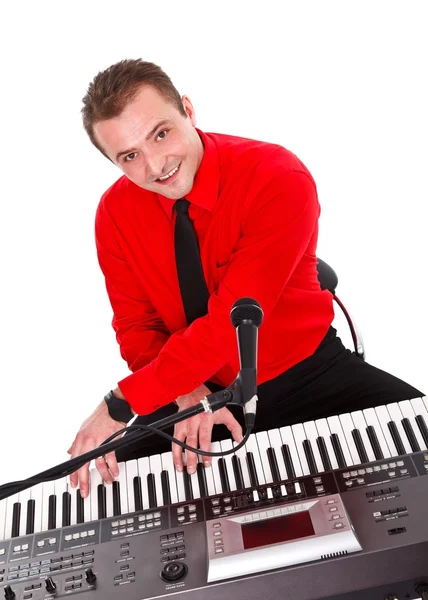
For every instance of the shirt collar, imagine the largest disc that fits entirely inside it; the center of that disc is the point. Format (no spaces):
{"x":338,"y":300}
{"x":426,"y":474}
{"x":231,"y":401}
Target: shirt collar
{"x":204,"y":192}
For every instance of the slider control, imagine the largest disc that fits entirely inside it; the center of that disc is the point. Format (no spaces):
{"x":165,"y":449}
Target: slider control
{"x":90,"y":576}
{"x":9,"y":594}
{"x":50,"y":585}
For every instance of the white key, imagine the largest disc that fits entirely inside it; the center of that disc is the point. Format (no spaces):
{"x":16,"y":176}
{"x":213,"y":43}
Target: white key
{"x":9,"y":515}
{"x":88,"y":515}
{"x":225,"y":446}
{"x":348,"y":426}
{"x":131,"y":469}
{"x":311,"y":435}
{"x":96,"y":480}
{"x":3,"y":508}
{"x":195,"y":484}
{"x":60,"y":488}
{"x":396,"y":416}
{"x":73,"y":511}
{"x":383,"y":416}
{"x":263,"y":443}
{"x":360,"y":424}
{"x":324,"y":432}
{"x":156,"y":470}
{"x":24,"y":496}
{"x":216,"y":447}
{"x":288,"y":440}
{"x":299,"y":437}
{"x":123,"y":489}
{"x":143,"y":471}
{"x":168,"y":465}
{"x":253,"y":447}
{"x":109,"y":499}
{"x":408,"y":413}
{"x":241,"y":454}
{"x":209,"y":478}
{"x":275,"y":442}
{"x":335,"y":427}
{"x":371,"y":419}
{"x":48,"y":490}
{"x":419,"y":409}
{"x":425,"y":401}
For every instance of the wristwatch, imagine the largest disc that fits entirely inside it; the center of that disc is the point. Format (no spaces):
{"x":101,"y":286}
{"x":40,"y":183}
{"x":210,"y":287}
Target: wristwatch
{"x":118,"y":409}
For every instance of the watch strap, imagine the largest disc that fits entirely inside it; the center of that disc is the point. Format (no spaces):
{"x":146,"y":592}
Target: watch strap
{"x":118,"y":409}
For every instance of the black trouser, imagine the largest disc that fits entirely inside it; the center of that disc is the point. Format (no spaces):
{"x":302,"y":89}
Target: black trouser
{"x":332,"y":381}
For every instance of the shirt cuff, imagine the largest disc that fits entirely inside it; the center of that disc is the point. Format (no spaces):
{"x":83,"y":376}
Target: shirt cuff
{"x":143,"y":391}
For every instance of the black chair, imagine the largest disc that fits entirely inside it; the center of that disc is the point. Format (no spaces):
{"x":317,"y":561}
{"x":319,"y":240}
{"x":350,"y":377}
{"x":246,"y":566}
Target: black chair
{"x":328,"y":281}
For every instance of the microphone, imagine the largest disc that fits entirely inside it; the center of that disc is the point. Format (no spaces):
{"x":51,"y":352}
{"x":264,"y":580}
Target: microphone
{"x":247,"y":316}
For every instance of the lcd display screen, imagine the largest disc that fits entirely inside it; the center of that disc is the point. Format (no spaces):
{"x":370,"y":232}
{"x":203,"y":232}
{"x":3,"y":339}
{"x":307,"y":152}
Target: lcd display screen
{"x":278,"y":529}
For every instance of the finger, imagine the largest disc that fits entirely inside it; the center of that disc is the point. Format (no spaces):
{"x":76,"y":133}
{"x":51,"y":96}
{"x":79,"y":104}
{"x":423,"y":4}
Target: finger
{"x":74,"y":477}
{"x":191,"y":457}
{"x":234,"y":427}
{"x":177,"y":451}
{"x":103,"y":469}
{"x":83,"y":475}
{"x":112,"y":464}
{"x":205,"y":434}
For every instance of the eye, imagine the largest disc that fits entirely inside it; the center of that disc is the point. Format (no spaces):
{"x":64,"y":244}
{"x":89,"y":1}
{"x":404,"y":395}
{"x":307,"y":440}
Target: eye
{"x":162,"y":134}
{"x":129,"y":157}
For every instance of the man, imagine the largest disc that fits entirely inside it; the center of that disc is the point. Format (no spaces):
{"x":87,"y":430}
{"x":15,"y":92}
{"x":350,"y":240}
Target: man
{"x":254,"y":209}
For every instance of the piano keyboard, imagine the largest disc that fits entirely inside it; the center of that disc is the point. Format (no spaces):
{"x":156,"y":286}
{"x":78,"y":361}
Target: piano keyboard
{"x":308,"y":448}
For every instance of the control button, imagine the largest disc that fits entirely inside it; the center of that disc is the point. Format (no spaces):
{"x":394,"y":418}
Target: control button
{"x":157,"y":515}
{"x":334,"y":517}
{"x":226,"y":500}
{"x":171,"y":536}
{"x":333,"y":509}
{"x":402,"y":509}
{"x":149,"y":516}
{"x":180,"y":510}
{"x":192,"y":508}
{"x":391,"y":473}
{"x":384,"y":512}
{"x":369,"y":469}
{"x":163,"y":538}
{"x":17,"y":548}
{"x":338,"y":525}
{"x":215,"y":501}
{"x":393,"y":489}
{"x":319,"y":488}
{"x":218,"y":542}
{"x":216,"y":525}
{"x":41,"y":543}
{"x":83,"y":534}
{"x":376,"y":468}
{"x":392,"y":465}
{"x":122,"y":522}
{"x":403,"y":471}
{"x":400,"y":463}
{"x":384,"y":467}
{"x":317,"y":480}
{"x":122,"y":530}
{"x":298,"y":488}
{"x":377,"y":514}
{"x":216,"y":511}
{"x":115,"y":523}
{"x":129,"y":521}
{"x":354,"y":473}
{"x":217,"y":533}
{"x":369,"y":494}
{"x":229,"y":508}
{"x":361,"y":471}
{"x":114,"y":532}
{"x":219,"y":550}
{"x":25,"y":546}
{"x":76,"y":536}
{"x":331,"y":501}
{"x":158,"y":523}
{"x":182,"y":518}
{"x":348,"y":483}
{"x":91,"y":532}
{"x":360,"y":480}
{"x":141,"y":526}
{"x":142,"y":518}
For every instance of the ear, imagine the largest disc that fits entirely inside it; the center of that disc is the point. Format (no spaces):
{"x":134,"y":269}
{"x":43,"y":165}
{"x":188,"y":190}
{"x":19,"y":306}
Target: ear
{"x":188,"y":107}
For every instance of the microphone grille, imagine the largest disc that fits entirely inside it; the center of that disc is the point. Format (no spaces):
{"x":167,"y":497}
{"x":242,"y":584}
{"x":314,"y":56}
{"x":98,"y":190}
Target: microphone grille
{"x":246,"y":309}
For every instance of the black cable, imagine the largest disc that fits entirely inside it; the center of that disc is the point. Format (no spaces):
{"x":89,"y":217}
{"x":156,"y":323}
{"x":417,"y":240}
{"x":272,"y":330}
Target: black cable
{"x":72,"y":465}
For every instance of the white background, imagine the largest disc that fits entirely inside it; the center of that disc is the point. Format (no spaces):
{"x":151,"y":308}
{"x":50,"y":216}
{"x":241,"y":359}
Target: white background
{"x":341,"y":84}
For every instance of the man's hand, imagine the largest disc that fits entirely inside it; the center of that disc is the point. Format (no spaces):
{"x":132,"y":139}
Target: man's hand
{"x":98,"y":427}
{"x":199,"y":428}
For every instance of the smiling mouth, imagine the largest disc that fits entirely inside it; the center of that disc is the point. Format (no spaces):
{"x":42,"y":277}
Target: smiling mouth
{"x":169,"y":175}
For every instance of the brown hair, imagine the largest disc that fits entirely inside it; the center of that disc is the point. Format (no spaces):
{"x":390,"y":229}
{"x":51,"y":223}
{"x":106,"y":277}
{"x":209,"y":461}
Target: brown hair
{"x":112,"y":89}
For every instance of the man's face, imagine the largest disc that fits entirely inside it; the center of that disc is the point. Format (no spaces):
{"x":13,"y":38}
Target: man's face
{"x":150,"y":139}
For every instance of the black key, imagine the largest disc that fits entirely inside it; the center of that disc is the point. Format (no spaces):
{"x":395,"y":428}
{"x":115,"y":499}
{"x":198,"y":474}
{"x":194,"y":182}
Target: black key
{"x":102,"y":501}
{"x":188,"y":490}
{"x":225,"y":485}
{"x":396,"y":438}
{"x":166,"y":491}
{"x":324,"y":454}
{"x":360,"y":446}
{"x":423,"y":428}
{"x":410,"y":435}
{"x":151,"y":485}
{"x":80,"y":508}
{"x":310,"y":457}
{"x":237,"y":470}
{"x":52,"y":512}
{"x":371,"y":432}
{"x":274,"y":469}
{"x":138,"y":496}
{"x":203,"y":487}
{"x":116,"y":499}
{"x":340,"y":457}
{"x":16,"y":517}
{"x":288,"y":462}
{"x":31,"y":513}
{"x":66,"y":509}
{"x":252,"y":469}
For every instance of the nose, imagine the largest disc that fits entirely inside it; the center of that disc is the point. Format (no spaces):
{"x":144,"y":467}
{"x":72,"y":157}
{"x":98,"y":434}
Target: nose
{"x":154,"y":165}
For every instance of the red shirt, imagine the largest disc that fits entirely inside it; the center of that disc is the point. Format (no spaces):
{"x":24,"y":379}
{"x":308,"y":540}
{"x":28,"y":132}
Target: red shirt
{"x":255,"y":210}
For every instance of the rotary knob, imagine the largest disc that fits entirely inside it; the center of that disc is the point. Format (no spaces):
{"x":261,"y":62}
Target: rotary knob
{"x":173,"y":571}
{"x":9,"y":594}
{"x":90,"y":576}
{"x":50,"y":585}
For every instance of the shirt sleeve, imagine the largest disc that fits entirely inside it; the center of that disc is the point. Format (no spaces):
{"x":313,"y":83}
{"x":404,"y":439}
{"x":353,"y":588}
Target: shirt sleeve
{"x":139,"y":330}
{"x":276,"y":230}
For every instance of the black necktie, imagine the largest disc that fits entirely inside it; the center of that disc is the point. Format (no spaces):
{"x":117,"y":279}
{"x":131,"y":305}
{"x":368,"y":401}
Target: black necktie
{"x":193,"y":287}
